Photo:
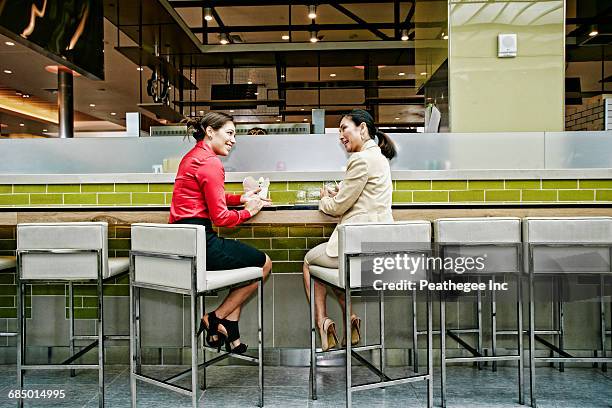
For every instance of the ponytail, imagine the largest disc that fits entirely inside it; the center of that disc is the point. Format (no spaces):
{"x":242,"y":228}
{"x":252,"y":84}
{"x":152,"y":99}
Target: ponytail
{"x":387,"y":148}
{"x":196,"y":127}
{"x":359,"y":116}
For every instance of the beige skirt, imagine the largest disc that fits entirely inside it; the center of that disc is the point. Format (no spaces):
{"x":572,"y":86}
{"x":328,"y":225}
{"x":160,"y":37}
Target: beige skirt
{"x":318,"y":256}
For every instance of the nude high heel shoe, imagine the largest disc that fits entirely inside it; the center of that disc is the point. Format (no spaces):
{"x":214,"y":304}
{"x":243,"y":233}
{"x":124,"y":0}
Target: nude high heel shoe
{"x":327,"y":331}
{"x":355,"y":332}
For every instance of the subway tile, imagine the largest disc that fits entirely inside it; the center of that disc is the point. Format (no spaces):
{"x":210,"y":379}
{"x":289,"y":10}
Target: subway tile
{"x":603,"y":195}
{"x":270,"y":231}
{"x":430,"y":196}
{"x":49,"y":290}
{"x":288,"y":243}
{"x":287,"y":267}
{"x":328,"y":230}
{"x":469,"y":195}
{"x":283,"y":196}
{"x":89,"y":313}
{"x":77,"y":301}
{"x":402,"y":196}
{"x":7,"y":301}
{"x":29,"y":188}
{"x":576,"y":195}
{"x":278,"y":254}
{"x":6,"y":188}
{"x":90,"y":198}
{"x":278,"y":186}
{"x":161,"y":188}
{"x":168,"y":198}
{"x":114,"y":198}
{"x":46,"y":199}
{"x":7,"y":278}
{"x":297,"y":254}
{"x":539,"y":195}
{"x":122,"y":231}
{"x":8,"y":244}
{"x":7,"y":232}
{"x":14,"y":199}
{"x":148,"y":198}
{"x":503,"y":195}
{"x":90,"y":301}
{"x":522,"y":184}
{"x":118,"y":243}
{"x":131,"y":187}
{"x":238,"y":232}
{"x":560,"y":184}
{"x":595,"y":184}
{"x":63,"y":188}
{"x":259,"y":243}
{"x":313,"y":242}
{"x":94,"y":188}
{"x":86,"y":290}
{"x":449,"y":185}
{"x":485,"y":184}
{"x":413,"y":185}
{"x":237,"y":187}
{"x":8,"y":312}
{"x":305,"y":231}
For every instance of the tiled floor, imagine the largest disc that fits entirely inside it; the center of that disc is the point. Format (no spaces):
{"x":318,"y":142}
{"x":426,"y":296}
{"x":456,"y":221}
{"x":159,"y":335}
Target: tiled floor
{"x":288,"y":387}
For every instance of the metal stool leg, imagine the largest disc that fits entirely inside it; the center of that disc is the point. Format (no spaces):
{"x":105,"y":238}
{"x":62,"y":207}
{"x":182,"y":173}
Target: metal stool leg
{"x":71,"y":312}
{"x":260,"y":340}
{"x":347,"y":324}
{"x":100,"y":324}
{"x":313,"y":356}
{"x":132,"y":335}
{"x":193,"y":307}
{"x":20,"y":338}
{"x":531,"y":337}
{"x":381,"y":309}
{"x":442,"y":346}
{"x":415,"y":335}
{"x":493,"y":325}
{"x":519,"y":333}
{"x":479,"y":323}
{"x":561,"y":320}
{"x":430,"y":383}
{"x":602,"y":311}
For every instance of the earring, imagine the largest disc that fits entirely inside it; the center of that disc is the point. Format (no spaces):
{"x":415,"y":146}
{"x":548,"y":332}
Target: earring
{"x":209,"y":137}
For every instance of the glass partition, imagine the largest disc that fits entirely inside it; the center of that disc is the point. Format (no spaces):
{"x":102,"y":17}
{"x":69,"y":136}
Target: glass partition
{"x":305,"y":153}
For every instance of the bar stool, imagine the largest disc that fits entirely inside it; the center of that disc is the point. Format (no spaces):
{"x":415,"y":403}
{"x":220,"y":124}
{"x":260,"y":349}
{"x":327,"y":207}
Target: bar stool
{"x":64,"y":252}
{"x":172,"y":258}
{"x":358,"y":242}
{"x":499,"y":240}
{"x":559,"y":246}
{"x":7,"y":263}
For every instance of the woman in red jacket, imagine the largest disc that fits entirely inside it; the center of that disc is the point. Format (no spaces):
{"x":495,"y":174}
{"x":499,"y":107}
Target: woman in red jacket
{"x":199,"y":198}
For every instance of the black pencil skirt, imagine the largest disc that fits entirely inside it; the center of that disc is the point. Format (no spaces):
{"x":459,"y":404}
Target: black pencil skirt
{"x":224,"y":253}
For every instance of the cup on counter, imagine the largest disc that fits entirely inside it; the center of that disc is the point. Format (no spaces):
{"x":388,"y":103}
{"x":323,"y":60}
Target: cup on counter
{"x":157,"y":168}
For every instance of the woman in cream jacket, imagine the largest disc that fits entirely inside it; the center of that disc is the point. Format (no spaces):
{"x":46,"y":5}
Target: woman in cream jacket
{"x":364,"y":196}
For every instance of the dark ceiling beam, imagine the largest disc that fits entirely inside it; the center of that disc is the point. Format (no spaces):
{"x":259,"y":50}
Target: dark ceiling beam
{"x":300,"y":27}
{"x":359,"y":20}
{"x":251,"y":3}
{"x":349,"y":84}
{"x":410,"y":14}
{"x":222,"y":27}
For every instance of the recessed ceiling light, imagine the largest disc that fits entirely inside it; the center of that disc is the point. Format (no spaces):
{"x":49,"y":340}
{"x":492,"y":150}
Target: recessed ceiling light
{"x":208,"y":14}
{"x":282,"y":75}
{"x":401,"y":73}
{"x":45,"y":130}
{"x":25,"y":96}
{"x":92,"y":105}
{"x":250,"y":82}
{"x":113,"y":113}
{"x":445,"y":36}
{"x":397,"y":118}
{"x":231,"y":111}
{"x":302,"y":109}
{"x":140,"y":69}
{"x":313,"y":37}
{"x":9,"y":43}
{"x":332,"y":75}
{"x":423,"y":73}
{"x":8,"y":71}
{"x":305,"y":120}
{"x":593,"y":33}
{"x":201,"y":112}
{"x":404,"y":34}
{"x":223,"y":39}
{"x":312,"y":12}
{"x":285,"y":36}
{"x":21,"y":124}
{"x":256,"y":93}
{"x":278,"y":120}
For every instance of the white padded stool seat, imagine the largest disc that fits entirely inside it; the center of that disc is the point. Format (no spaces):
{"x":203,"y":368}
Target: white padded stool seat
{"x":7,"y":262}
{"x":373,"y":236}
{"x":568,"y":230}
{"x":184,"y":240}
{"x":63,"y":236}
{"x":118,"y":265}
{"x":475,"y":230}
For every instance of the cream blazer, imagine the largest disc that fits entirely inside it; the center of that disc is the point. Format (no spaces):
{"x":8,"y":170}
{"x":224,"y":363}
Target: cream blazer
{"x":365,"y":195}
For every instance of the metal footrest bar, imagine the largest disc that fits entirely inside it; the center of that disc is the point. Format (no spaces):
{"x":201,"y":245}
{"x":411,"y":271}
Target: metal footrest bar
{"x":244,"y":357}
{"x":162,"y":384}
{"x":574,"y":359}
{"x":371,"y":367}
{"x":552,"y":347}
{"x":482,"y":359}
{"x":457,"y":331}
{"x":343,"y":351}
{"x":397,"y":381}
{"x":8,"y":334}
{"x":60,"y":367}
{"x":464,"y":344}
{"x":80,"y":353}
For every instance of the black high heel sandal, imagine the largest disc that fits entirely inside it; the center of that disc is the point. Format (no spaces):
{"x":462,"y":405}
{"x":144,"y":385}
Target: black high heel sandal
{"x":233,"y":334}
{"x":212,"y":330}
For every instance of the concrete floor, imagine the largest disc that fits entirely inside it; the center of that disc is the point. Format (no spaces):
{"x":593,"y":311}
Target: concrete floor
{"x":235,"y":386}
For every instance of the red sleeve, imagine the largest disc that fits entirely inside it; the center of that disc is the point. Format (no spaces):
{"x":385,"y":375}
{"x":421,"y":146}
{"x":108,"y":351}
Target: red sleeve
{"x":211,"y":178}
{"x":233,"y":200}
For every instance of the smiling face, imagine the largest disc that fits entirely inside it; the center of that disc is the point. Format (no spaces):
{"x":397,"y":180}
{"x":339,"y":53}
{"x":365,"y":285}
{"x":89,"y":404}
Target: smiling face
{"x":223,"y":139}
{"x":351,"y":134}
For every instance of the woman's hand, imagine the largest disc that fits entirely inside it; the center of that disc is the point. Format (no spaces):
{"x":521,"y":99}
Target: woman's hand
{"x":249,"y":195}
{"x":254,"y":205}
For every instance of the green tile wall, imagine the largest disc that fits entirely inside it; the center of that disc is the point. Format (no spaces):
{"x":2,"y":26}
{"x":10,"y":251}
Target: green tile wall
{"x":405,"y":191}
